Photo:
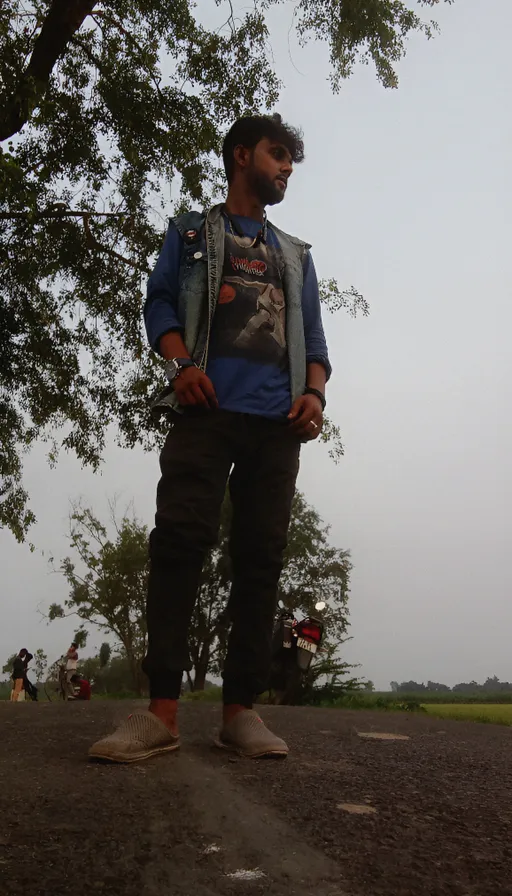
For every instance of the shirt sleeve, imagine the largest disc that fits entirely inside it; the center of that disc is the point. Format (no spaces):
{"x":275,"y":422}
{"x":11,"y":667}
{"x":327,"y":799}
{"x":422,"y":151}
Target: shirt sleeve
{"x":161,"y":305}
{"x":316,"y":346}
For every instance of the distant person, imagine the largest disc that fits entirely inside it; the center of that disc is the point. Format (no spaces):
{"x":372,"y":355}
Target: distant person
{"x":71,"y":667}
{"x":29,"y":688}
{"x":84,"y":686}
{"x":19,"y":669}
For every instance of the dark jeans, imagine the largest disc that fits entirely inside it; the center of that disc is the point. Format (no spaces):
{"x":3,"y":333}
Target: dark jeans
{"x":260,"y":458}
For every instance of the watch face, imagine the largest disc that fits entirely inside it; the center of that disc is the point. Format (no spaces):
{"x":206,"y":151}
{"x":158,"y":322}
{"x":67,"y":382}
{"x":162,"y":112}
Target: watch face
{"x":171,"y":370}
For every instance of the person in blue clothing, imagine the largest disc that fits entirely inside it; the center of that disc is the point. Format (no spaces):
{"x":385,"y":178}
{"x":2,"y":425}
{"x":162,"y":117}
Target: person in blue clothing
{"x":233,"y":307}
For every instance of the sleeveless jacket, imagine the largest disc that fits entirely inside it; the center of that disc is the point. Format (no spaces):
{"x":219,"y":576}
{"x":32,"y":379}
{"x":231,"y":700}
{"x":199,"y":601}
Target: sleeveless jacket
{"x":200,"y":281}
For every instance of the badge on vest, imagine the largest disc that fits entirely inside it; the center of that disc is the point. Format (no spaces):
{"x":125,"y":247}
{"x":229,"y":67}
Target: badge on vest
{"x":190,"y":236}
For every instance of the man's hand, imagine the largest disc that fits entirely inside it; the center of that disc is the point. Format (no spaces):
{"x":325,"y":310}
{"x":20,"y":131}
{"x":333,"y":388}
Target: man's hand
{"x":306,"y":417}
{"x":194,"y":389}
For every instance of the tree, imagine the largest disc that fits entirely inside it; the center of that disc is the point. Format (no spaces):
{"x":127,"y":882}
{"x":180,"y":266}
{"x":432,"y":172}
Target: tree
{"x":104,"y":654}
{"x":411,"y":687}
{"x":104,"y":107}
{"x":313,"y":570}
{"x":40,"y":664}
{"x":437,"y":686}
{"x":108,"y":586}
{"x":7,"y":666}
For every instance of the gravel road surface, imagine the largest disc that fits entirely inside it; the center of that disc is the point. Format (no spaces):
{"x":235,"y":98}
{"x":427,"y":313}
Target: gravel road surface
{"x":428,"y":813}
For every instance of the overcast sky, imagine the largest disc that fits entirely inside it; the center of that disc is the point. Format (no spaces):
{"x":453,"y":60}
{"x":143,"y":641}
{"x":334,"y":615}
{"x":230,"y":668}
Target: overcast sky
{"x":406,"y":195}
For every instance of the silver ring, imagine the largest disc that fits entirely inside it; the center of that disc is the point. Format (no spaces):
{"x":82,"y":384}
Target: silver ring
{"x":313,"y":424}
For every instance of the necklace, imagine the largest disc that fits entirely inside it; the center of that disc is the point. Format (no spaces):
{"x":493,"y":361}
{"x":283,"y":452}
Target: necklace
{"x":261,"y":235}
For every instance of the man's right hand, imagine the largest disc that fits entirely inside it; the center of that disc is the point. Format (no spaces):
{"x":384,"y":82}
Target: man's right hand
{"x":194,"y":389}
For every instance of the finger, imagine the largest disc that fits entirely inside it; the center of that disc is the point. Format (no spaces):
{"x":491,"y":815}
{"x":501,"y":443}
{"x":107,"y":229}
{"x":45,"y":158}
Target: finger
{"x":297,"y":408}
{"x":311,"y":427}
{"x":188,"y":397}
{"x":302,"y":417}
{"x":301,"y":422}
{"x":208,"y":390}
{"x":199,"y":398}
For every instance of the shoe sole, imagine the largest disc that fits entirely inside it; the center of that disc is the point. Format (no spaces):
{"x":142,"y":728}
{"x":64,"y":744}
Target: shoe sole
{"x":232,"y":748}
{"x":138,"y":757}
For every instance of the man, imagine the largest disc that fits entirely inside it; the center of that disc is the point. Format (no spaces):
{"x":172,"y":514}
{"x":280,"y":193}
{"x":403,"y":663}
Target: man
{"x":19,"y":670}
{"x":71,"y":667}
{"x":84,"y":692}
{"x":233,"y":307}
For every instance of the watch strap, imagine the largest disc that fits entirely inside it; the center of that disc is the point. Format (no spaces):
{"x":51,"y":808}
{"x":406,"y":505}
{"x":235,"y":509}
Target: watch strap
{"x":184,"y":362}
{"x":321,"y":397}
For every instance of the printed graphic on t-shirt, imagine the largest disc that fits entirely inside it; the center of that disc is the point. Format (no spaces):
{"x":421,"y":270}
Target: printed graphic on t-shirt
{"x":250,"y":318}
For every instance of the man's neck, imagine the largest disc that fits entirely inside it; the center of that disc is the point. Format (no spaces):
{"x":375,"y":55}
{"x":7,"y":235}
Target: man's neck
{"x":245,"y":205}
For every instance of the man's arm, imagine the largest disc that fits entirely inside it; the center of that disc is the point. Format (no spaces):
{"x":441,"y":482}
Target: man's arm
{"x":161,"y":306}
{"x":307,"y":412}
{"x":164,"y":328}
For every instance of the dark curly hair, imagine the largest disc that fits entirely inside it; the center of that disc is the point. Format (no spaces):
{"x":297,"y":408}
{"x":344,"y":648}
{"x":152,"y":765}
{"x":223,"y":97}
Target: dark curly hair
{"x":248,"y":131}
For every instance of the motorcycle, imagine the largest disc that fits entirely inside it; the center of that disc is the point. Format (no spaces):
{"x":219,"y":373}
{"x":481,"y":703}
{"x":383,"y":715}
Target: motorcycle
{"x":294,"y":644}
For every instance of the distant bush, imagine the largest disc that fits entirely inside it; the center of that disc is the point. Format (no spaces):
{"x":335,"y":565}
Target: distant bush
{"x":450,"y":697}
{"x":359,"y":699}
{"x":211,"y":695}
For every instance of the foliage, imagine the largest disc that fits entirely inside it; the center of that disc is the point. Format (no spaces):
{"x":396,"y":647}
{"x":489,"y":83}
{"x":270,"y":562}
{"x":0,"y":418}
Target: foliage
{"x":112,"y":679}
{"x":326,"y":680}
{"x":210,"y":695}
{"x":105,"y":110}
{"x":7,"y":666}
{"x":40,"y":664}
{"x":491,"y":713}
{"x":359,"y":698}
{"x":491,"y":685}
{"x":108,"y":587}
{"x":104,"y":654}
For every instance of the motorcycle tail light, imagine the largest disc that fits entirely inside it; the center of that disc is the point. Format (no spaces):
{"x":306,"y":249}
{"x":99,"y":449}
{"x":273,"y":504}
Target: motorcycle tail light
{"x":311,"y":631}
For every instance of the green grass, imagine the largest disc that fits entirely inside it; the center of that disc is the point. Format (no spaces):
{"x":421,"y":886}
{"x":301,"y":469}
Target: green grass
{"x":495,"y":713}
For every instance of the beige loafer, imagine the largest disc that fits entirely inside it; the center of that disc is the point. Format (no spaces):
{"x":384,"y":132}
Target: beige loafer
{"x":247,"y":735}
{"x":141,"y":736}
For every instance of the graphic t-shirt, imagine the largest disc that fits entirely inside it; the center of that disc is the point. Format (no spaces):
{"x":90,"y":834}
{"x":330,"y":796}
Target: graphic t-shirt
{"x":247,"y":358}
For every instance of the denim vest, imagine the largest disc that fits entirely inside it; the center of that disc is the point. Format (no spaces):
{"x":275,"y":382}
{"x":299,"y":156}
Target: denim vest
{"x":200,"y":278}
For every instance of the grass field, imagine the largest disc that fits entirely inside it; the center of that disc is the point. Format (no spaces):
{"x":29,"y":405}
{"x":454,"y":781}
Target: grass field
{"x":496,"y":713}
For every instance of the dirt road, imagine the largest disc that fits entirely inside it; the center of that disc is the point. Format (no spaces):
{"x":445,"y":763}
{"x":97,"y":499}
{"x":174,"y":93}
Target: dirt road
{"x":344,"y":815}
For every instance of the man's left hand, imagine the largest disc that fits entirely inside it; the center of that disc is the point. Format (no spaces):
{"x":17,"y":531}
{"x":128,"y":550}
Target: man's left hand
{"x":306,"y":417}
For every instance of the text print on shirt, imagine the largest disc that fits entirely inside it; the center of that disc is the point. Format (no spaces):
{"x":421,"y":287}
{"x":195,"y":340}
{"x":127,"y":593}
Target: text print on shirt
{"x":250,"y":318}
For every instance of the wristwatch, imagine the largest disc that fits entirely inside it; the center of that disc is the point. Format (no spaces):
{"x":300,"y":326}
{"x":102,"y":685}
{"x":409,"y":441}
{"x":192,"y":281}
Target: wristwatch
{"x":175,"y":365}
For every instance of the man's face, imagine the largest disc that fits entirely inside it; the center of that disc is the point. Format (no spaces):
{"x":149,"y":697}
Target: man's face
{"x":268,"y":171}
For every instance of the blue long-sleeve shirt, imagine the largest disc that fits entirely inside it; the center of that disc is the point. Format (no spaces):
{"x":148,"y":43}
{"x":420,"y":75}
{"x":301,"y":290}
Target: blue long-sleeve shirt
{"x":247,"y":360}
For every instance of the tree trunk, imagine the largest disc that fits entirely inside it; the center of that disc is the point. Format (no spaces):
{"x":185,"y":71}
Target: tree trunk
{"x":201,"y":667}
{"x":136,"y":672}
{"x":200,"y":677}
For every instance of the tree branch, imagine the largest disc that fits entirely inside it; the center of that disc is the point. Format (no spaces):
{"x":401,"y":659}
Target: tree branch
{"x":59,"y":213}
{"x":64,"y":18}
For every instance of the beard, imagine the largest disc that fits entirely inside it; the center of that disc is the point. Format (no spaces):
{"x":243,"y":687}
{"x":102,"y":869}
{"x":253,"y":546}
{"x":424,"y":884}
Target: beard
{"x":267,"y":190}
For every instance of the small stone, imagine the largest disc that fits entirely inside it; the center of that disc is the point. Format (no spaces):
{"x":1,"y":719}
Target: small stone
{"x":246,"y":875}
{"x":382,"y":735}
{"x":357,"y":808}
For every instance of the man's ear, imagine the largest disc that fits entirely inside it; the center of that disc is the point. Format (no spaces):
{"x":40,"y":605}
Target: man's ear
{"x":242,"y":155}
